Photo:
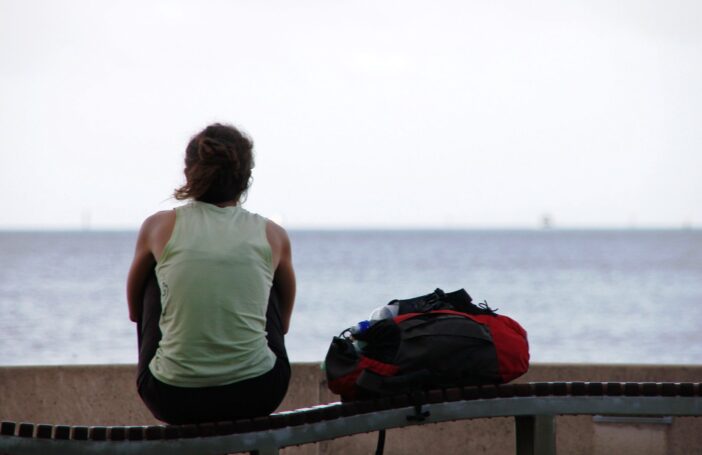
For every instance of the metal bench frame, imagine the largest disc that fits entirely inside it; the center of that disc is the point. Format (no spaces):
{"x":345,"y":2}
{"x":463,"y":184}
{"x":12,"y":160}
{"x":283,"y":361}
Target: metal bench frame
{"x":534,"y":407}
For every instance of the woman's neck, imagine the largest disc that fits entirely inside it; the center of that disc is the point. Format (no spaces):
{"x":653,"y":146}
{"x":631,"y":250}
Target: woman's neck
{"x":228,"y":203}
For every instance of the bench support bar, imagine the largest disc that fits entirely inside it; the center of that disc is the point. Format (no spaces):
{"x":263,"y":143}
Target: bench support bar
{"x":536,"y":435}
{"x":534,"y":416}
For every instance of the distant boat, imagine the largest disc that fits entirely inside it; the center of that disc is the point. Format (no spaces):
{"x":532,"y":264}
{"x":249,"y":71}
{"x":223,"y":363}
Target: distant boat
{"x":546,"y":222}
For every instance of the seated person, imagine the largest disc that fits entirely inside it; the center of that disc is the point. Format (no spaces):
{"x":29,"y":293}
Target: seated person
{"x":212,"y":288}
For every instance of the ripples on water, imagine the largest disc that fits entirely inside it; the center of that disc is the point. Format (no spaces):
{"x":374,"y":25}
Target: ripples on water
{"x":583,"y":296}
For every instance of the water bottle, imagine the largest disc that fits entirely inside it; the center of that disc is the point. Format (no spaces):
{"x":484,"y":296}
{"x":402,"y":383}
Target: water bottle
{"x":359,"y":328}
{"x":355,"y":330}
{"x":386,"y":311}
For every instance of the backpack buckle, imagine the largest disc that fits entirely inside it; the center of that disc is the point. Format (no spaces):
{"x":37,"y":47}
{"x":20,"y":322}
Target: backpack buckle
{"x":437,"y":295}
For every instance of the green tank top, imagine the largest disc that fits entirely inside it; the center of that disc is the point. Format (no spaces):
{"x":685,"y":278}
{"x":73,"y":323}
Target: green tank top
{"x":215,"y":275}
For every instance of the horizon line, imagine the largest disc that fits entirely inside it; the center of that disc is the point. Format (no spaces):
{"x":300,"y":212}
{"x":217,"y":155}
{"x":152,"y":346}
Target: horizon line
{"x":398,"y":228}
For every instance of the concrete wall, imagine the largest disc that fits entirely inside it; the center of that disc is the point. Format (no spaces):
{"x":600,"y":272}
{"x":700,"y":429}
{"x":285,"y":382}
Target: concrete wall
{"x":106,"y":395}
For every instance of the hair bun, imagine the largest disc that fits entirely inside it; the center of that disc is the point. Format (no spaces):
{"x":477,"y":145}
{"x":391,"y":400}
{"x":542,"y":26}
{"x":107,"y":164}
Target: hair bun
{"x":215,"y":153}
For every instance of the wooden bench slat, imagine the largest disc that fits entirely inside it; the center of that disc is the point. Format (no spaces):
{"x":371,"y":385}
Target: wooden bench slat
{"x":171,"y":432}
{"x":117,"y":433}
{"x":135,"y":433}
{"x":594,"y":389}
{"x":188,"y":431}
{"x":44,"y":431}
{"x":26,"y":430}
{"x":613,"y":389}
{"x":62,"y":432}
{"x":226,"y":428}
{"x":687,"y":390}
{"x":506,"y":391}
{"x":80,"y":433}
{"x":7,"y":428}
{"x":98,"y":433}
{"x":207,"y":429}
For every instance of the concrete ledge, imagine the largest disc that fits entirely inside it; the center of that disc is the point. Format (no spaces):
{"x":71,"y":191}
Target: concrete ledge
{"x":106,"y":395}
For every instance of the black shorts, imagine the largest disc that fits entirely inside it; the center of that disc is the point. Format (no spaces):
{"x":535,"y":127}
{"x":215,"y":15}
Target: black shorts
{"x":250,"y":398}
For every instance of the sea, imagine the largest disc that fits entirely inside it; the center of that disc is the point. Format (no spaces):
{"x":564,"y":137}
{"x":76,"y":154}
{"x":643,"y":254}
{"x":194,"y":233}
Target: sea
{"x":584,"y":296}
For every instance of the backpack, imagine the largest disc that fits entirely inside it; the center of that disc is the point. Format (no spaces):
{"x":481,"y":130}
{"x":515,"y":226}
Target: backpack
{"x":436,"y":340}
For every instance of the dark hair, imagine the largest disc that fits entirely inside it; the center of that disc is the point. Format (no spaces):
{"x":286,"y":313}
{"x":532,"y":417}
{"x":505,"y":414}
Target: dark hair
{"x":218,"y":163}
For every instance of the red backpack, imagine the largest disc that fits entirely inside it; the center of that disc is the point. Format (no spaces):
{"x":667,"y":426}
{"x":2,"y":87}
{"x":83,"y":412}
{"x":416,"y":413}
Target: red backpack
{"x":437,"y":340}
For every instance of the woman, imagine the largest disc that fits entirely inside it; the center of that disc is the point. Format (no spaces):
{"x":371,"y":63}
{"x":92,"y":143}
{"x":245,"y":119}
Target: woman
{"x":211,"y":328}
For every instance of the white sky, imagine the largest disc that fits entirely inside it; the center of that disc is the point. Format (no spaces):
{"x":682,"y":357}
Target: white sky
{"x":364,"y":113}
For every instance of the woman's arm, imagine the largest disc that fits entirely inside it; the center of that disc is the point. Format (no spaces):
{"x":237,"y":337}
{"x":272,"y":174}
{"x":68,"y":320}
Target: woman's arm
{"x":153,"y":236}
{"x":284,"y":275}
{"x":142,"y":265}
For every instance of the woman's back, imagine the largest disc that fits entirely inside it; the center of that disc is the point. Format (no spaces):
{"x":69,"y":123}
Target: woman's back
{"x":215,"y":276}
{"x":211,"y":320}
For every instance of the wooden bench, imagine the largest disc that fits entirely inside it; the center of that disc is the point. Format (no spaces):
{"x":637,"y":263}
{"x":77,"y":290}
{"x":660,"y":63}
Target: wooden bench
{"x":534,"y":407}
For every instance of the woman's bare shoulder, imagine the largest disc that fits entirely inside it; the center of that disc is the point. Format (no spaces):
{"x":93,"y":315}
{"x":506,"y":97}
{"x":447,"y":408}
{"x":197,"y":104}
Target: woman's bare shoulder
{"x":158,"y":218}
{"x":157,"y":229}
{"x":277,"y":235}
{"x":159,"y":221}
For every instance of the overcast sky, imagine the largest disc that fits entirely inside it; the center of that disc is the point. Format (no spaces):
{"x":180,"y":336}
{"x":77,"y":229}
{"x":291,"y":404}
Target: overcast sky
{"x":363,"y":113}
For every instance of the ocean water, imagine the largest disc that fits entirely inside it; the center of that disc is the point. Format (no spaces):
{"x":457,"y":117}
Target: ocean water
{"x":630,"y":296}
